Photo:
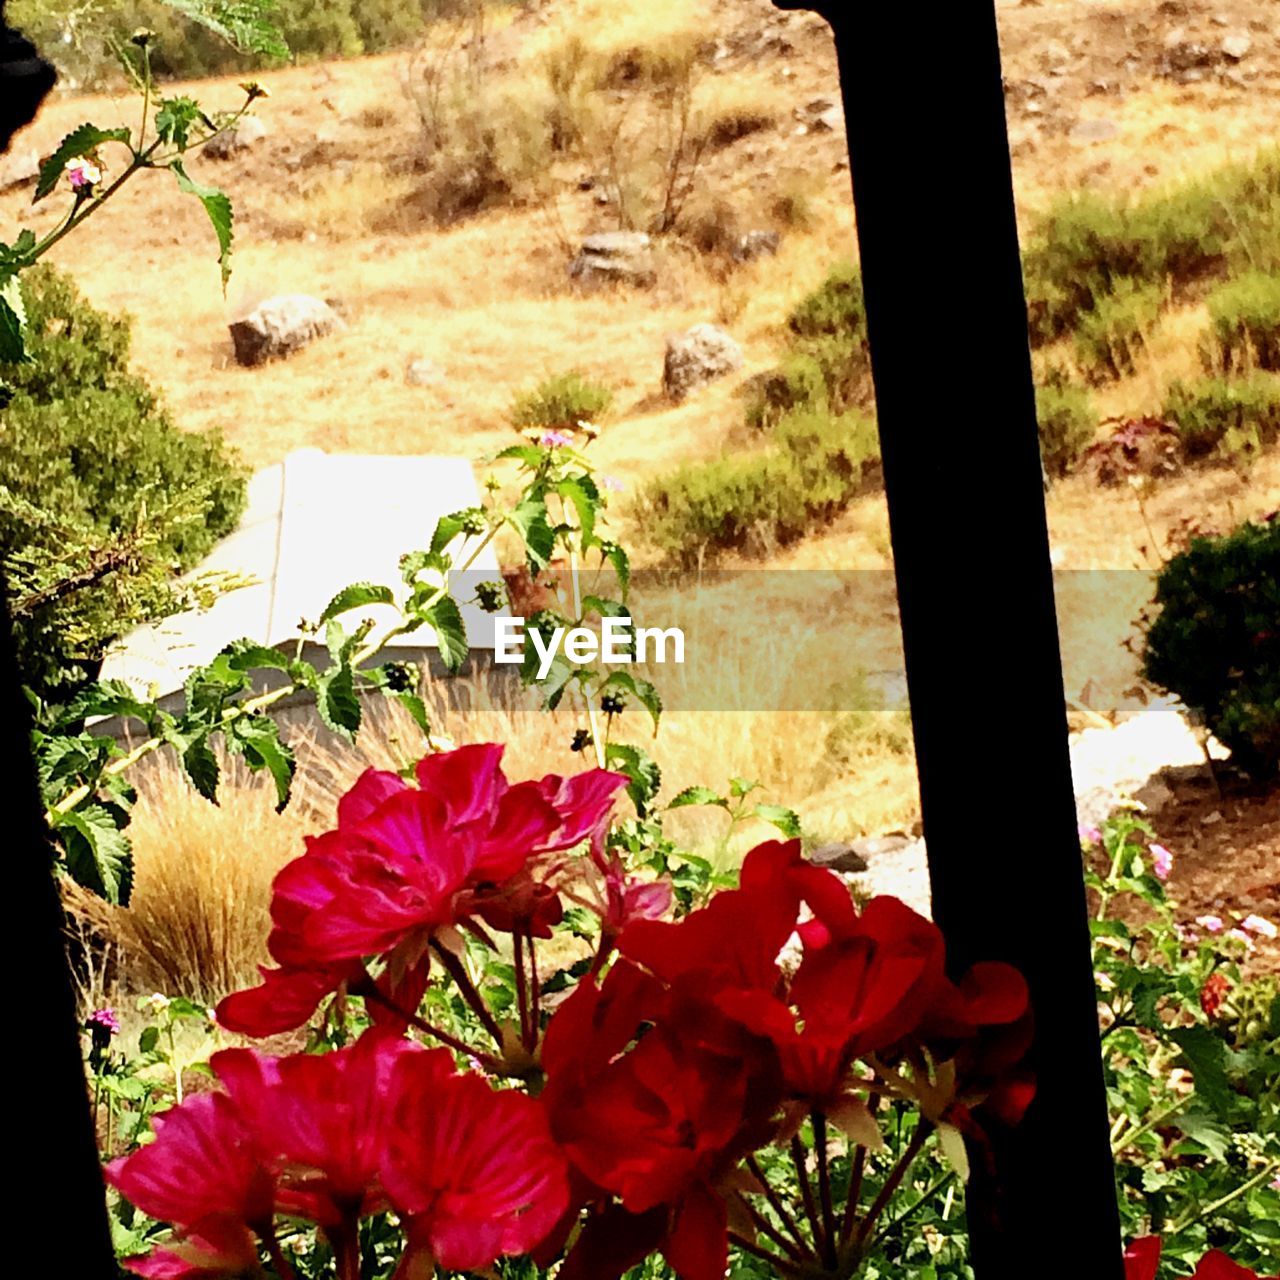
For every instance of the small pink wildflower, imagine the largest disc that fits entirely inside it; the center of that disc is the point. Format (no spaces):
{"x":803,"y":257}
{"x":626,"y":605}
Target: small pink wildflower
{"x":612,"y":484}
{"x":105,"y":1019}
{"x":1089,"y":835}
{"x":1239,"y":935}
{"x":83,"y":174}
{"x":1162,"y":861}
{"x":1260,"y":926}
{"x":555,"y":440}
{"x":1210,"y":924}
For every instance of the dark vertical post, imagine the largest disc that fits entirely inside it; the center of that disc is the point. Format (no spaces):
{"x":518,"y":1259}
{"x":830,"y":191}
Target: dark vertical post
{"x":53,"y":1149}
{"x":947,"y":324}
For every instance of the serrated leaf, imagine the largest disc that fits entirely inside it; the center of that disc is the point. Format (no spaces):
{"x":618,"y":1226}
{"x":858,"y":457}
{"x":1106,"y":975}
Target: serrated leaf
{"x":244,"y":23}
{"x":786,"y":820}
{"x":249,"y":655}
{"x":337,"y":702}
{"x":98,"y":852}
{"x":415,"y":706}
{"x":449,"y":526}
{"x":175,"y":118}
{"x":697,"y":795}
{"x":621,"y":562}
{"x":641,"y":769}
{"x":358,"y":595}
{"x":529,"y":520}
{"x":257,"y":738}
{"x":581,"y":493}
{"x":445,"y":618}
{"x":201,"y":765}
{"x":217,"y":204}
{"x":79,"y":142}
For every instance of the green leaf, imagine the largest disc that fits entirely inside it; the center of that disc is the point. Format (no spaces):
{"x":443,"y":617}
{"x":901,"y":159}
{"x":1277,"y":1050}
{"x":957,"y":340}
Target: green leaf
{"x":529,"y":520}
{"x":249,"y":655}
{"x":415,"y":706}
{"x":218,"y":206}
{"x":445,"y":618}
{"x":640,"y":768}
{"x":201,"y":763}
{"x":98,"y":853}
{"x":786,"y":820}
{"x":357,"y":596}
{"x":1205,"y":1055}
{"x":106,"y":698}
{"x":581,"y":493}
{"x":79,"y":142}
{"x":1210,"y":1133}
{"x":175,"y":118}
{"x":337,"y":702}
{"x":739,"y":787}
{"x":257,"y":738}
{"x":13,"y":321}
{"x":450,"y":526}
{"x":697,"y":795}
{"x":244,"y":23}
{"x":621,"y":562}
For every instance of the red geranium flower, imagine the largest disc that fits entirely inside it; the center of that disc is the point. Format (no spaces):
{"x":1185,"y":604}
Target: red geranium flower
{"x":658,"y":1116}
{"x":1215,"y":990}
{"x":404,"y":864}
{"x":1142,"y":1259}
{"x":207,"y":1175}
{"x":474,"y":1171}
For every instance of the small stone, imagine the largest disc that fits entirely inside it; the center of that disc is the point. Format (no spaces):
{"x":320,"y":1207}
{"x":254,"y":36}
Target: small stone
{"x":1093,"y":130}
{"x":1236,"y":45}
{"x":756,"y":244}
{"x":696,"y":357}
{"x":248,"y":132}
{"x":421,"y":372}
{"x":1210,"y":819}
{"x":839,"y":856}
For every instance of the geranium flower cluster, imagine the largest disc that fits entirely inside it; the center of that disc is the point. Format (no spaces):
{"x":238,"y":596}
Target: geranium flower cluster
{"x":777,"y":1015}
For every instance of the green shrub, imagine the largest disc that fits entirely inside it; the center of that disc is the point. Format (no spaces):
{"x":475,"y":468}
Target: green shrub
{"x":1068,"y":422}
{"x":815,"y":467}
{"x":1244,"y":325}
{"x":827,"y":368}
{"x":1086,"y":244}
{"x":560,"y":403}
{"x":1216,"y":640}
{"x":88,"y":456}
{"x":1111,"y":335}
{"x":1216,"y":413}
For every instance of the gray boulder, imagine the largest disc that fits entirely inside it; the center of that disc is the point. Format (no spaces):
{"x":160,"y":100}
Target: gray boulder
{"x":248,"y":132}
{"x":701,"y":355}
{"x":280,"y":326}
{"x":615,"y":256}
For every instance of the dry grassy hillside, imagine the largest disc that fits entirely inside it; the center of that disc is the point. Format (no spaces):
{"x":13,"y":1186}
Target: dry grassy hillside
{"x":336,"y":202}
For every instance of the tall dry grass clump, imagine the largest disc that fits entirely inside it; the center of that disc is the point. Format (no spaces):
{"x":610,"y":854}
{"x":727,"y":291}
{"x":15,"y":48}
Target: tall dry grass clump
{"x":198,"y":919}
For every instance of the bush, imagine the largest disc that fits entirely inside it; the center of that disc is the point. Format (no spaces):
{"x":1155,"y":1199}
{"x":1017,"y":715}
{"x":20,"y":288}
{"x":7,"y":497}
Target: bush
{"x":89,"y":456}
{"x":1244,"y":328}
{"x":1224,"y":413}
{"x":560,"y":403}
{"x":1086,"y":245}
{"x":828,"y":365}
{"x":1110,"y":337}
{"x":1067,"y":422}
{"x":1216,"y":640}
{"x":818,"y":464}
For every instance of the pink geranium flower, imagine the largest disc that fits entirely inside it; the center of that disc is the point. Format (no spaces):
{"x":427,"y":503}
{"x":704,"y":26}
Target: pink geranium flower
{"x":1162,"y":861}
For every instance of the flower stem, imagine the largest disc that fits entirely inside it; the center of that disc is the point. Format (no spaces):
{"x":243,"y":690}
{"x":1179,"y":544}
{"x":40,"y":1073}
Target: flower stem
{"x":764,"y":1225}
{"x":819,"y":1122}
{"x":284,"y":1268}
{"x":783,"y":1265}
{"x":806,"y":1194}
{"x":522,"y":990}
{"x":1140,"y":1131}
{"x":487,"y":1060}
{"x":1243,"y":1189}
{"x":778,"y":1207}
{"x":462,"y":979}
{"x":894,"y":1179}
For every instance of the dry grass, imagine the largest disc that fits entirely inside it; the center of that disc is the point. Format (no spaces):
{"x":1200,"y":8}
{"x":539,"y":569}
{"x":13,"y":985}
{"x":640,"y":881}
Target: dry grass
{"x":197,"y":923}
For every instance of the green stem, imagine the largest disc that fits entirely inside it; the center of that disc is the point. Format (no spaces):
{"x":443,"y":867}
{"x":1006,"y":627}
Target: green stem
{"x":783,"y":1266}
{"x":894,"y":1179}
{"x":806,"y":1195}
{"x":1243,"y":1189}
{"x":778,"y":1207}
{"x":1128,"y":1139}
{"x":925,"y":1196}
{"x":457,"y":970}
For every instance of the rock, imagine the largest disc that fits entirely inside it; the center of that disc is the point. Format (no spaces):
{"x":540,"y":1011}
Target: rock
{"x":19,"y":169}
{"x":1093,"y":130}
{"x":756,"y":244}
{"x":615,"y":256}
{"x":280,"y":326}
{"x":839,"y":856}
{"x":420,"y":372}
{"x":1236,"y":45}
{"x":820,"y":116}
{"x":247,"y":133}
{"x":697,"y":357}
{"x":1183,"y":57}
{"x":1155,"y":796}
